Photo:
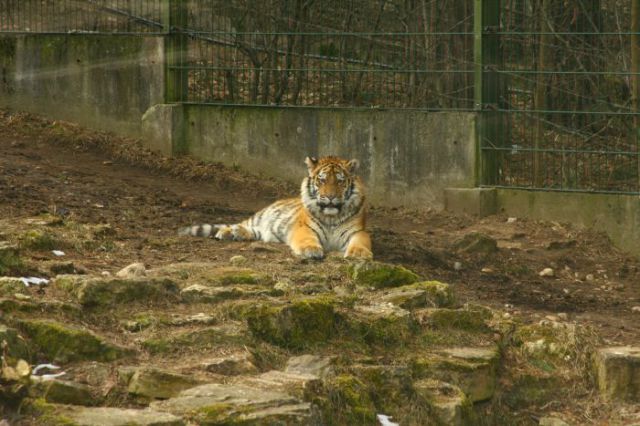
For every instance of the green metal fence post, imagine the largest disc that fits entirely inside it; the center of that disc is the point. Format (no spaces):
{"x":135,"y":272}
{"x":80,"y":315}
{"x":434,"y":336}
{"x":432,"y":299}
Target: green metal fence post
{"x":174,"y":19}
{"x":635,"y":69}
{"x":486,"y":95}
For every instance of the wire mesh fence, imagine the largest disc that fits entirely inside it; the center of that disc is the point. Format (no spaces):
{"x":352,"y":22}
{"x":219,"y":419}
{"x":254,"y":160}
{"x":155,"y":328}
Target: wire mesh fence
{"x":81,"y":16}
{"x":568,"y":107}
{"x":331,"y":53}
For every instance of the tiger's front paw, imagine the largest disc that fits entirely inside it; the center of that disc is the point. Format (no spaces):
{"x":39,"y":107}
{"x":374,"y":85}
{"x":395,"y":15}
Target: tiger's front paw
{"x":310,"y":252}
{"x":358,"y":252}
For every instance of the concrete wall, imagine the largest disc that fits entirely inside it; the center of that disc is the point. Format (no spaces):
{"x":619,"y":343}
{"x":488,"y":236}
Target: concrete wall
{"x":406,"y":157}
{"x":616,"y":215}
{"x":101,"y":81}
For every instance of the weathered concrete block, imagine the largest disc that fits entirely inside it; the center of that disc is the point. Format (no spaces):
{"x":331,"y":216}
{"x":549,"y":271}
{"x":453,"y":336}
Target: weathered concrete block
{"x":476,"y":201}
{"x":618,"y":373}
{"x":162,"y":128}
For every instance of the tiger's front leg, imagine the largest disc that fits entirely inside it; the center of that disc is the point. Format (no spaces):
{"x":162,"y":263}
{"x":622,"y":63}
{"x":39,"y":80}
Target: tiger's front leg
{"x":304,"y":243}
{"x":359,"y":246}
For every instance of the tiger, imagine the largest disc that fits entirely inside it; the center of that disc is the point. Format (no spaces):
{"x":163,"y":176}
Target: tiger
{"x":329,"y":215}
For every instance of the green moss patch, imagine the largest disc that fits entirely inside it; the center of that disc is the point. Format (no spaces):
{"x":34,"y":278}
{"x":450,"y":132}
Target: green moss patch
{"x":380,"y":324}
{"x":10,"y":261}
{"x":348,"y":402}
{"x":37,"y":239}
{"x":206,"y":338}
{"x":381,"y":275}
{"x":98,"y":291}
{"x":471,"y":319}
{"x":302,"y":323}
{"x":63,"y":343}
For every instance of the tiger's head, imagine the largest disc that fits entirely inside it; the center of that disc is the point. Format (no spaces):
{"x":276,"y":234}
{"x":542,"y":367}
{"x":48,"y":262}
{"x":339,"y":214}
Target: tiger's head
{"x":332,"y":189}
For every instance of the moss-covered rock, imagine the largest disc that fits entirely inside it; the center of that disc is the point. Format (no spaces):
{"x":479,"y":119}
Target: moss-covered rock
{"x":474,"y":370}
{"x":381,"y":275}
{"x":38,"y":239}
{"x":202,"y":293}
{"x":380,"y":324}
{"x":63,"y":343}
{"x":10,"y":286}
{"x":348,"y":402}
{"x":16,"y":347}
{"x":230,"y":365}
{"x":98,"y":291}
{"x":211,"y":275}
{"x":448,"y":405}
{"x":419,"y":295}
{"x":68,"y":415}
{"x":390,"y":386}
{"x":302,"y":323}
{"x":617,"y":370}
{"x":476,"y":243}
{"x":230,"y":333}
{"x":10,"y":260}
{"x":469,"y":318}
{"x":230,"y":404}
{"x":156,"y":383}
{"x":62,"y":392}
{"x":300,"y":385}
{"x":320,"y":366}
{"x":527,"y":390}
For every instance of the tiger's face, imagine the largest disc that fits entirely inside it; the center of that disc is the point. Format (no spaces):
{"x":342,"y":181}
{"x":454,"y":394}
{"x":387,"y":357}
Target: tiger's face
{"x":331,"y":184}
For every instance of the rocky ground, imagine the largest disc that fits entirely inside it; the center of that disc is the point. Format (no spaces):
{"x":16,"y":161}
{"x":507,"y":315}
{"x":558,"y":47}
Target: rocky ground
{"x":459,"y":321}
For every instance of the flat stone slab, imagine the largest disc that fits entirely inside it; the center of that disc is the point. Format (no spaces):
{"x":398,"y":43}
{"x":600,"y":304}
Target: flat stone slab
{"x":232,"y":365}
{"x":230,"y":404}
{"x":419,"y":295}
{"x":63,"y":343}
{"x":320,"y":366}
{"x":381,"y":323}
{"x":105,"y":416}
{"x":297,"y":384}
{"x":211,"y":275}
{"x":204,"y":293}
{"x":158,"y":383}
{"x":100,"y":291}
{"x":473,"y":369}
{"x":62,"y":391}
{"x":618,"y":373}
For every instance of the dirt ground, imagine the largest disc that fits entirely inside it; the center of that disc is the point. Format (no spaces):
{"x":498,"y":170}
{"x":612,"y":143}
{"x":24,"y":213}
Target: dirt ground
{"x":92,"y":177}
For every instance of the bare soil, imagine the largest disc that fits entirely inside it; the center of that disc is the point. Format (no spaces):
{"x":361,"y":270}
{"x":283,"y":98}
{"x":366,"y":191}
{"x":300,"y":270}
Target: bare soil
{"x":94,"y":178}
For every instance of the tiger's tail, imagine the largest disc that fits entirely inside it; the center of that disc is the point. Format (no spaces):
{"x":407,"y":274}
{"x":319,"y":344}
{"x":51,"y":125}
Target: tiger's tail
{"x":204,"y":230}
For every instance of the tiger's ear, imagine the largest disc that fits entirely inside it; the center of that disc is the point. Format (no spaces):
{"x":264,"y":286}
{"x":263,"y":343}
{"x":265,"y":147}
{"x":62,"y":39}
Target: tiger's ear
{"x":353,"y":165}
{"x":311,"y":163}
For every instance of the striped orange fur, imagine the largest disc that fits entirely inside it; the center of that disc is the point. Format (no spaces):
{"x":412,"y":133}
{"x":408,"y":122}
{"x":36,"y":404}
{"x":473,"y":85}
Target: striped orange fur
{"x":329,"y":215}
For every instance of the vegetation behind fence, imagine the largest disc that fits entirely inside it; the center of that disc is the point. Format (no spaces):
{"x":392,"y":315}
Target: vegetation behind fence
{"x":556,"y":83}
